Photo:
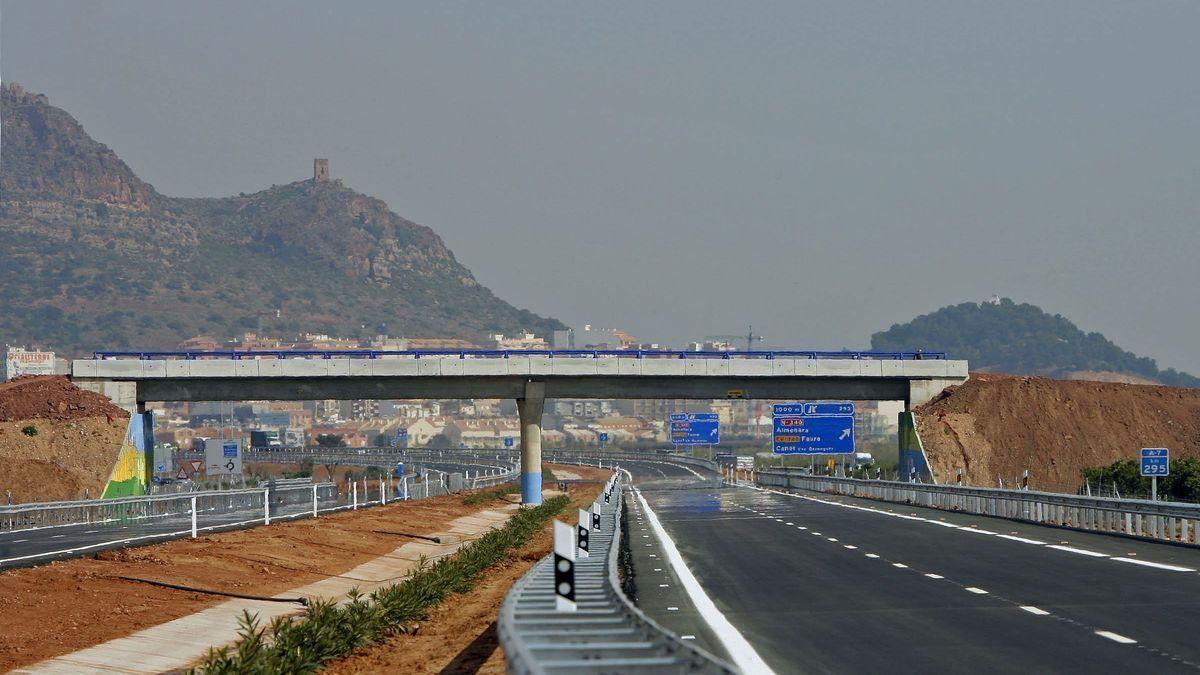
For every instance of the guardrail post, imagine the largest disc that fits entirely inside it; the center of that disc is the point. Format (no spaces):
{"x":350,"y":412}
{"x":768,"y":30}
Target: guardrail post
{"x":354,"y":495}
{"x":193,"y":517}
{"x":314,"y":501}
{"x":267,"y":506}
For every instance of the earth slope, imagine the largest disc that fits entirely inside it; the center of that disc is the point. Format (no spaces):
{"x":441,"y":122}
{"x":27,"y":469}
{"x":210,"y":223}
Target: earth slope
{"x":998,"y":425}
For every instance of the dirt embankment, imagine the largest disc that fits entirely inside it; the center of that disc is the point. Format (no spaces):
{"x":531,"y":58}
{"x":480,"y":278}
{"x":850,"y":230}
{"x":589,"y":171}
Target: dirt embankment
{"x":64,"y":606}
{"x":56,"y":440}
{"x":1001,"y":425}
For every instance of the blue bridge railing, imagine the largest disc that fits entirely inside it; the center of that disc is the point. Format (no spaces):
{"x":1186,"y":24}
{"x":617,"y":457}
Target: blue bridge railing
{"x":506,"y":353}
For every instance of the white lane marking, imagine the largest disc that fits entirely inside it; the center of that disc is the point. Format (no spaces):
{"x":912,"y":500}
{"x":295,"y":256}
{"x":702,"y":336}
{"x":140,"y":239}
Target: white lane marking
{"x":91,"y":532}
{"x":57,"y":536}
{"x":802,"y":527}
{"x":1147,"y":563}
{"x":1023,"y":540}
{"x":900,"y":565}
{"x":687,"y":637}
{"x":832,"y":539}
{"x":977,"y":591}
{"x":1115,"y":637}
{"x":1080,"y":551}
{"x":663,"y":585}
{"x":872,"y":555}
{"x":816,"y":534}
{"x":657,"y":569}
{"x":17,"y":541}
{"x":935,"y":576}
{"x":672,"y":609}
{"x":1034,"y":610}
{"x":850,"y":546}
{"x":739,"y":649}
{"x":789,"y":523}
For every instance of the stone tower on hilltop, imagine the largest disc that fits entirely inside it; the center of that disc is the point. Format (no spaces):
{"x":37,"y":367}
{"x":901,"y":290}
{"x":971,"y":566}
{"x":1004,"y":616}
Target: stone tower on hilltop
{"x":320,"y":170}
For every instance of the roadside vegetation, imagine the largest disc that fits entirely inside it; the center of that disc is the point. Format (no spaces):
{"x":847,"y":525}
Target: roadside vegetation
{"x":327,"y":630}
{"x":1182,"y":485}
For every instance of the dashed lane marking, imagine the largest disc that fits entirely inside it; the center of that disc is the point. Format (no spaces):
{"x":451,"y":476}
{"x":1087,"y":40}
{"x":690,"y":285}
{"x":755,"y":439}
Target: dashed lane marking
{"x":1034,"y":610}
{"x":1116,"y":637}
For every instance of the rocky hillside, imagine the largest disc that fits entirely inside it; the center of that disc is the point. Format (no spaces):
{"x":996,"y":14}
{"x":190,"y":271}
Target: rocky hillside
{"x":1006,"y":337}
{"x":96,"y":258}
{"x":997,"y":426}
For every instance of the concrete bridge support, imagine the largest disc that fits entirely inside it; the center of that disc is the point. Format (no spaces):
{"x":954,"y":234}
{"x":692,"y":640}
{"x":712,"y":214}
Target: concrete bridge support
{"x":530,"y":410}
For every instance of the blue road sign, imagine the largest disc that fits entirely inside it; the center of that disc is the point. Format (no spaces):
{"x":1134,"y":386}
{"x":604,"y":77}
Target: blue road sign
{"x":230,"y":449}
{"x":1156,"y":462}
{"x":603,"y":437}
{"x":508,"y":441}
{"x":817,"y":408}
{"x":695,"y":429}
{"x":814,"y":435}
{"x":399,"y":469}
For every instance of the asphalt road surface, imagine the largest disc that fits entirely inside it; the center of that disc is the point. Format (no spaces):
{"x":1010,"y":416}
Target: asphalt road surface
{"x":817,"y":583}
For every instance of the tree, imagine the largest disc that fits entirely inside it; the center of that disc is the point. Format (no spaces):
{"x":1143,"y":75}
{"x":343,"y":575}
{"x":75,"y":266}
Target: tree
{"x":331,"y":441}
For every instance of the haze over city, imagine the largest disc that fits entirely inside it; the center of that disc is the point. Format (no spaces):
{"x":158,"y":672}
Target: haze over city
{"x":684,"y":169}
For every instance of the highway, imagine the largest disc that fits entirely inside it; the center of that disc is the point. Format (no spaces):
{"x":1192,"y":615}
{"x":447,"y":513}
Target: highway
{"x":32,"y":546}
{"x":824,"y":584}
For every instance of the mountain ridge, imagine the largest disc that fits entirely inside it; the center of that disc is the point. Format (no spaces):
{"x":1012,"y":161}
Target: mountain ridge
{"x":1023,"y":339}
{"x":98,"y":259}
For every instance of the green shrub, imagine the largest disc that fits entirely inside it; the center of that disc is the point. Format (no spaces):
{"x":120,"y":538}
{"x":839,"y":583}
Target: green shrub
{"x":29,"y":430}
{"x":326,"y":630}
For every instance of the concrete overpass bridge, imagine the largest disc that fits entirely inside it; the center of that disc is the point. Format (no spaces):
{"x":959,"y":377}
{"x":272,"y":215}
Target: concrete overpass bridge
{"x":530,"y":377}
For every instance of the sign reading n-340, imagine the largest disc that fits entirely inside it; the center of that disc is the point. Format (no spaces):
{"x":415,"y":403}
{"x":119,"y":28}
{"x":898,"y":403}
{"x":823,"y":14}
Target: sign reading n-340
{"x":831,"y":435}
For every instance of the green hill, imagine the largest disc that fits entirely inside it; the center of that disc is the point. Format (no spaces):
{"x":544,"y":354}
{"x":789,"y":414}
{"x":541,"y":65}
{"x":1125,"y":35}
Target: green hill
{"x":96,"y":258}
{"x":1021,"y":339}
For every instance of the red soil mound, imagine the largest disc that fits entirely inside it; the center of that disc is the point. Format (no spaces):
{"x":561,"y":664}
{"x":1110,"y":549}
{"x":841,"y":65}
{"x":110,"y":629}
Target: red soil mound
{"x":1000,"y":425}
{"x":52,"y":398}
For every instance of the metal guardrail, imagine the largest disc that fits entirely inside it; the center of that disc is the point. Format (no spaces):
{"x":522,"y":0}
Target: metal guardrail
{"x":506,"y":353}
{"x":607,"y":633}
{"x":1163,"y":521}
{"x":262,"y":502}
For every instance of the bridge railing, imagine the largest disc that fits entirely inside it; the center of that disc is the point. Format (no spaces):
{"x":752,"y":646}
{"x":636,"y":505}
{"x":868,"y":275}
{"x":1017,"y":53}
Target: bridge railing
{"x":507,"y":353}
{"x":1163,"y":521}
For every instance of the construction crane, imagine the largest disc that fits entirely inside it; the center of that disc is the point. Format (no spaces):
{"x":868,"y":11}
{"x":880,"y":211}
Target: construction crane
{"x":749,"y":337}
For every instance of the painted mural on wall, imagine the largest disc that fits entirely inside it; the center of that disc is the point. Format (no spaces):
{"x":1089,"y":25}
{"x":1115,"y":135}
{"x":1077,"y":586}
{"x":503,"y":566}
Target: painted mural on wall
{"x":913,"y":463}
{"x":131,"y":474}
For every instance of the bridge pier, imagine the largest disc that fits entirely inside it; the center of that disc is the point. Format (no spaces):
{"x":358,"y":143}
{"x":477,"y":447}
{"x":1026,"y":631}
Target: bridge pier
{"x":923,"y":391}
{"x":530,"y":410}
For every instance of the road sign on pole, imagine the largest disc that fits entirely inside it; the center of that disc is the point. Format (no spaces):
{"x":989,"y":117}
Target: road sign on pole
{"x":695,"y":429}
{"x":223,"y":457}
{"x":1155,"y":462}
{"x":813,"y":428}
{"x":603,"y":437}
{"x":508,"y":441}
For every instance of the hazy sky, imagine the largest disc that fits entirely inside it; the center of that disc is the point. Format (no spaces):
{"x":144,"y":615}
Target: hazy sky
{"x":821,"y":170}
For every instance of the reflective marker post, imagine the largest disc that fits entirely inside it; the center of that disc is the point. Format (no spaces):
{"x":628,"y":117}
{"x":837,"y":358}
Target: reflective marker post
{"x":564,"y":567}
{"x":582,"y":530}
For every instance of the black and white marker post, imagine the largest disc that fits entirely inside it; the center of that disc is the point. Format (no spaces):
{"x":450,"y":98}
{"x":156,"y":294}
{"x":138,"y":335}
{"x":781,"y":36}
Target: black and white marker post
{"x":581,"y":539}
{"x":595,"y":516}
{"x":564,"y":567}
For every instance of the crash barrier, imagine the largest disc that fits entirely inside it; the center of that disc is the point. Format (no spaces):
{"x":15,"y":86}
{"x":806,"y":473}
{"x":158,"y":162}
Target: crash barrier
{"x":596,"y":629}
{"x":218,"y":506}
{"x":1163,"y":521}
